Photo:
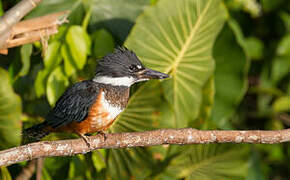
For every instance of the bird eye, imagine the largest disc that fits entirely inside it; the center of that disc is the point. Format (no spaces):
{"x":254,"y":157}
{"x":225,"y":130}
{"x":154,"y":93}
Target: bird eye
{"x":133,"y":68}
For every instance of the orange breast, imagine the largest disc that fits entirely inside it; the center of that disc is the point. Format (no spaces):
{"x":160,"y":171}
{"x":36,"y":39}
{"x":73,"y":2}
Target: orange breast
{"x":98,"y":119}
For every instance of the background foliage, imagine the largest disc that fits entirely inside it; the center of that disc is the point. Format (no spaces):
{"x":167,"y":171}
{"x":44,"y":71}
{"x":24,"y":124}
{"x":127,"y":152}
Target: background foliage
{"x":229,"y":62}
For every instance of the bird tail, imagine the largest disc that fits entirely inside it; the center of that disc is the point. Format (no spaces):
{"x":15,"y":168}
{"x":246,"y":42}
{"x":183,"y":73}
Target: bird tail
{"x":35,"y":133}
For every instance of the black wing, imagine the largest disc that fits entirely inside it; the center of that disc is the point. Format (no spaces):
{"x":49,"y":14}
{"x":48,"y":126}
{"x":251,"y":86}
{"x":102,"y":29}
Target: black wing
{"x":74,"y":104}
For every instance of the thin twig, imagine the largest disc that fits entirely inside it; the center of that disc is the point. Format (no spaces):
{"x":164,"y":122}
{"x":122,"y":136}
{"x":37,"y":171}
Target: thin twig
{"x":39,"y":168}
{"x":140,"y":139}
{"x":27,"y":171}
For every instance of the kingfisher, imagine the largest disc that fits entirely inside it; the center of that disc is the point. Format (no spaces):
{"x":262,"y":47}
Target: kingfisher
{"x":93,"y":105}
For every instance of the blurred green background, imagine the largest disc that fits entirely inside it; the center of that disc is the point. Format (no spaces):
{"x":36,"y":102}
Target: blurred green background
{"x":229,"y":62}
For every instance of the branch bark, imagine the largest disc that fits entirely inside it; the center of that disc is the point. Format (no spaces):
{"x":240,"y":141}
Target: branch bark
{"x":34,"y":29}
{"x":139,"y":139}
{"x":14,"y":15}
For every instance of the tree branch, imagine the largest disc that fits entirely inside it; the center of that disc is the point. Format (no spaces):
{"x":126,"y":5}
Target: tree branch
{"x":139,"y":139}
{"x":34,"y":29}
{"x":14,"y":15}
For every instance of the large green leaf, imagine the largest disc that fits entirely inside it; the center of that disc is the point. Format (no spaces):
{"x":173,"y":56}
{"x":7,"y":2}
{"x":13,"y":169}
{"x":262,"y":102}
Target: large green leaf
{"x":103,"y":43}
{"x":176,"y":37}
{"x":208,"y":93}
{"x":124,"y":163}
{"x":51,"y":6}
{"x":116,"y":16}
{"x":75,"y":8}
{"x":10,"y":112}
{"x":255,"y":163}
{"x":98,"y":159}
{"x":79,"y":168}
{"x":210,"y":162}
{"x":147,"y":108}
{"x":231,"y":73}
{"x":57,"y":167}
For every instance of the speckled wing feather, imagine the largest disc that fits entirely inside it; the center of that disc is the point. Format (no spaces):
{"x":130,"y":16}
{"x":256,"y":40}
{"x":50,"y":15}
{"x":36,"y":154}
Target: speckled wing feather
{"x":74,"y":104}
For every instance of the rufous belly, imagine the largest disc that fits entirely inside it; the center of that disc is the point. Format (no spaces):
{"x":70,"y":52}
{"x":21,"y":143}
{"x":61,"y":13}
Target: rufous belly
{"x":100,"y":117}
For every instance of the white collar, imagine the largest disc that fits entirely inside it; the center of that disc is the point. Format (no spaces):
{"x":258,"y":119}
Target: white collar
{"x":115,"y":81}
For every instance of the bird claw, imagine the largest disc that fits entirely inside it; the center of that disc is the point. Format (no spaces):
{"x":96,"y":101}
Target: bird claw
{"x":87,"y":140}
{"x":104,"y":135}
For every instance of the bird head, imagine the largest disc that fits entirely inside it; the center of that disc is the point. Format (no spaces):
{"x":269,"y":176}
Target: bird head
{"x":123,"y":68}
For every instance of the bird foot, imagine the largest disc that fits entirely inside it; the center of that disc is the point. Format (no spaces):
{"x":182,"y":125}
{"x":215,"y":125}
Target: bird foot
{"x":87,"y":140}
{"x":104,"y":135}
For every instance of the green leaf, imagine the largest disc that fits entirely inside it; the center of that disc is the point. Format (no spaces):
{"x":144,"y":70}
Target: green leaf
{"x":210,"y":162}
{"x":25,"y":52}
{"x":269,"y":5}
{"x":51,"y":60}
{"x":78,"y":43}
{"x":176,"y":37}
{"x":103,"y":43}
{"x":75,"y":8}
{"x":45,"y":175}
{"x":280,"y":68}
{"x":283,"y":48}
{"x":10,"y":112}
{"x":273,"y":152}
{"x":69,"y":65}
{"x":57,"y":167}
{"x":135,"y":163}
{"x":230,"y":75}
{"x":286,"y":19}
{"x":60,"y":35}
{"x":87,"y":17}
{"x":4,"y":173}
{"x":97,"y":158}
{"x":1,"y":9}
{"x":56,"y":85}
{"x":40,"y":82}
{"x":52,"y":57}
{"x":255,"y":172}
{"x":282,"y":104}
{"x":208,"y":93}
{"x":116,"y":16}
{"x":76,"y":168}
{"x":147,"y":109}
{"x":254,"y":47}
{"x":51,"y":6}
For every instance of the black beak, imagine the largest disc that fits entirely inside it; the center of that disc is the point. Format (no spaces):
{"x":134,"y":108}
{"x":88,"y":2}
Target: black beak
{"x":151,"y":74}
